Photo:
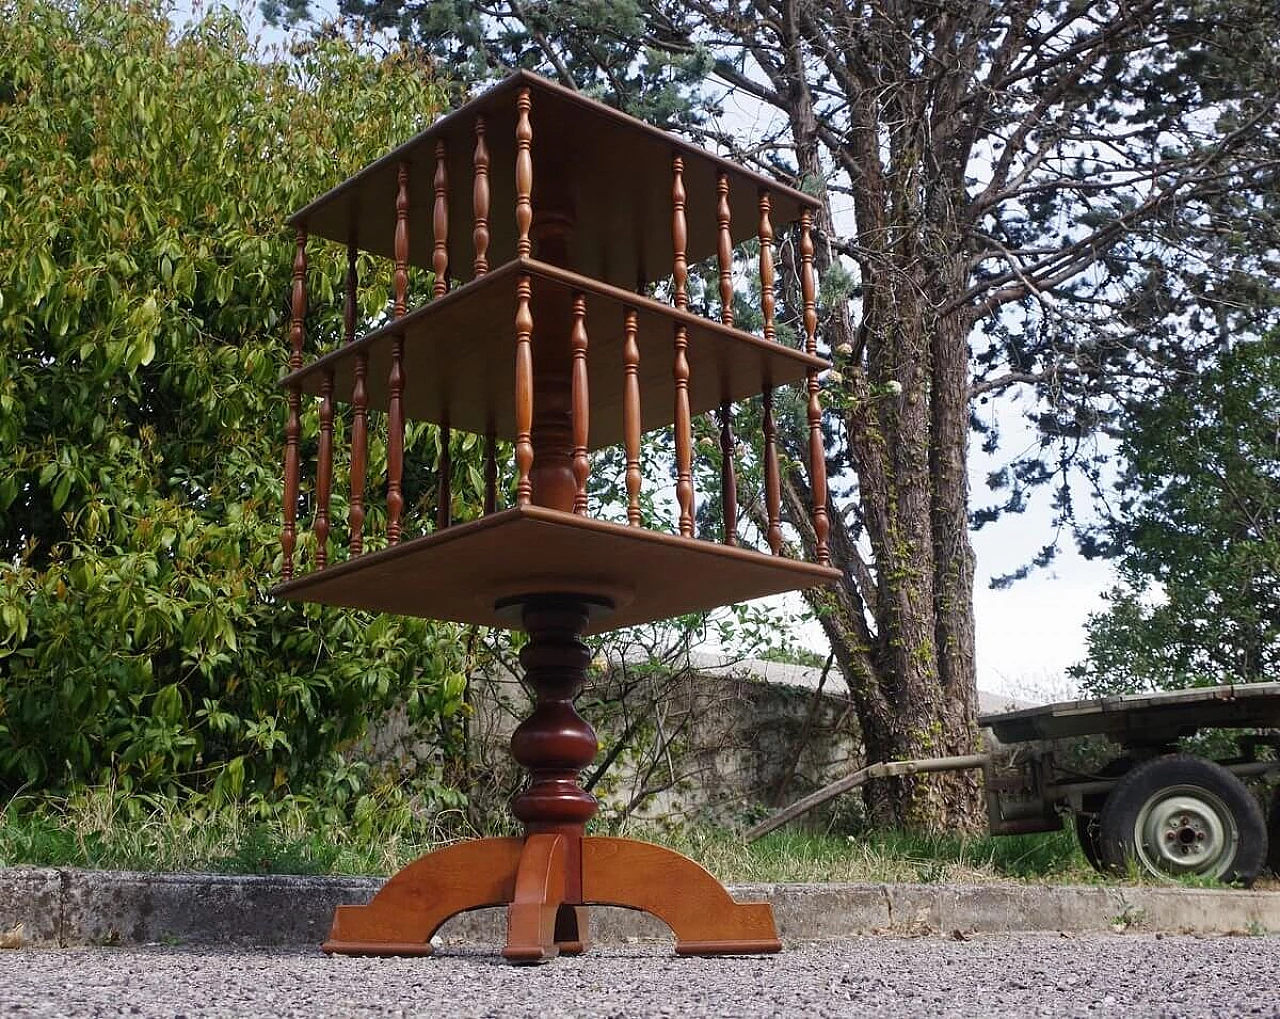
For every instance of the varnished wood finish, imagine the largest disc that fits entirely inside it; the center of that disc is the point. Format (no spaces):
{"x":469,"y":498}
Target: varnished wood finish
{"x":490,"y":474}
{"x":728,"y":476}
{"x":546,"y":915}
{"x":554,"y":743}
{"x":440,"y":224}
{"x":817,"y":457}
{"x":411,"y":906}
{"x":298,"y":301}
{"x":359,"y":413}
{"x":401,"y":278}
{"x":622,"y":227}
{"x":684,"y":433}
{"x":581,"y":404}
{"x":772,"y":484}
{"x":703,"y":916}
{"x":608,"y":187}
{"x":724,"y":247}
{"x":524,"y":392}
{"x":480,"y":200}
{"x":444,"y":480}
{"x":631,"y":414}
{"x":572,"y":935}
{"x":549,"y":877}
{"x":767,"y":278}
{"x":679,"y":235}
{"x":477,"y":318}
{"x":524,"y":174}
{"x":289,"y":530}
{"x":324,"y":472}
{"x":395,"y":440}
{"x":539,"y":893}
{"x":293,"y":423}
{"x":359,"y":451}
{"x":460,"y":573}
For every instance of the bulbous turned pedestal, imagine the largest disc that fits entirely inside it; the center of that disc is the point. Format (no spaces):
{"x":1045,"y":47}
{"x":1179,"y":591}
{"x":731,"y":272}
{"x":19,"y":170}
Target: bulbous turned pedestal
{"x":548,"y":878}
{"x":555,"y":743}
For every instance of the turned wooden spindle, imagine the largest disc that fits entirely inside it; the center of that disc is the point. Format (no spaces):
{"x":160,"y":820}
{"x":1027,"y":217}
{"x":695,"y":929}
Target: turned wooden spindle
{"x":401,"y":243}
{"x":298,"y":301}
{"x":490,"y":473}
{"x":395,"y":379}
{"x":359,"y":414}
{"x":725,"y":245}
{"x":524,"y":391}
{"x":480,"y":200}
{"x":581,"y":403}
{"x":440,"y":224}
{"x":684,"y":433}
{"x":324,"y":471}
{"x":524,"y":175}
{"x":679,"y":234}
{"x":293,"y":424}
{"x":767,"y":280}
{"x":444,"y":487}
{"x":395,"y":440}
{"x":728,"y":476}
{"x":817,"y":457}
{"x":631,"y":413}
{"x":359,"y":451}
{"x":772,"y":482}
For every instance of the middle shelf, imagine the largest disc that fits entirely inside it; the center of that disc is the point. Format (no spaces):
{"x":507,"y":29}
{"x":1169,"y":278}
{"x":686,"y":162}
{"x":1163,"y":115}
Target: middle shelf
{"x":459,"y":356}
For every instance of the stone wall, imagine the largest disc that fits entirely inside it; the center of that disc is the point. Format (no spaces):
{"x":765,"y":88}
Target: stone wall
{"x":680,"y":745}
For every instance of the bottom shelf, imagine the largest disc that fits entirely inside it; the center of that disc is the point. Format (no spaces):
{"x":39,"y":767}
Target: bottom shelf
{"x":461,"y":573}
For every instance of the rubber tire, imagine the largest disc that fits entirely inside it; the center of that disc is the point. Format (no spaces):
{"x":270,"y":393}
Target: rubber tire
{"x":1147,"y":780}
{"x":1087,"y":820}
{"x":1273,"y":834}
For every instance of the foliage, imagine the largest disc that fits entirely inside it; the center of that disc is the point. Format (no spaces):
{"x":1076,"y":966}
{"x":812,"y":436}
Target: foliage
{"x":1024,"y":196}
{"x":144,"y":178}
{"x":92,"y":831}
{"x":1197,"y":534}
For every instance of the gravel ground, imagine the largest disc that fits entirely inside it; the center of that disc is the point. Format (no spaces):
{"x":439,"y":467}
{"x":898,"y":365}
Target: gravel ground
{"x":1004,"y":975}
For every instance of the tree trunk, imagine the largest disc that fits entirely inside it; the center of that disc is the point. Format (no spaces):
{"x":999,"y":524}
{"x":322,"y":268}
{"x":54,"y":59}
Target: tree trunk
{"x":901,"y":623}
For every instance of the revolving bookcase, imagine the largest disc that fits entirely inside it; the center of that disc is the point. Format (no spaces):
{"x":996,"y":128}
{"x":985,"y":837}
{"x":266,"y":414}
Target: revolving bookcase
{"x":545,"y":335}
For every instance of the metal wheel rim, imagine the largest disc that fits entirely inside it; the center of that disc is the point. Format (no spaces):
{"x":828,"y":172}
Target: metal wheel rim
{"x":1186,"y":830}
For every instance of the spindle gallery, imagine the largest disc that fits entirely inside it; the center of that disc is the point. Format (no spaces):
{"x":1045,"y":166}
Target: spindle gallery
{"x":571,"y":211}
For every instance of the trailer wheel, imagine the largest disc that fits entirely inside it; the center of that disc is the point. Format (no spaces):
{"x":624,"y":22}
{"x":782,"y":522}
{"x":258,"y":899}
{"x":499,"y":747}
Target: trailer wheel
{"x":1181,"y":815}
{"x":1088,"y":830}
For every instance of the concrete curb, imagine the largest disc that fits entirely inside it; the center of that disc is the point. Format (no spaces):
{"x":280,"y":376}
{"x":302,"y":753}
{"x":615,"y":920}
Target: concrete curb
{"x":78,"y":907}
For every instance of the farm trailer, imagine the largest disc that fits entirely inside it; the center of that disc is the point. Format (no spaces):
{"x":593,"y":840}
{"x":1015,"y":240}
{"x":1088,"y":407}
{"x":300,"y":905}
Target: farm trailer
{"x":1168,"y":812}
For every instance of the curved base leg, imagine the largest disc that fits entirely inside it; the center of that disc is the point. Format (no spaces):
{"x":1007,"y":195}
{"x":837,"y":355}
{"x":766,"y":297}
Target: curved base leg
{"x":704,"y":917}
{"x":412,"y":905}
{"x":572,"y":937}
{"x":539,"y":893}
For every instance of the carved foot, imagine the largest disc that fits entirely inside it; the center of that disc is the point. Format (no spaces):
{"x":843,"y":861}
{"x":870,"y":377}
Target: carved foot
{"x":412,"y":905}
{"x":539,"y":893}
{"x":704,"y":917}
{"x":571,"y":929}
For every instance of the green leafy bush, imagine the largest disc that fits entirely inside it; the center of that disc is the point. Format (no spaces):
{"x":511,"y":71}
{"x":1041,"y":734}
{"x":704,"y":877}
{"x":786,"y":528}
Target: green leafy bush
{"x":145,"y":175}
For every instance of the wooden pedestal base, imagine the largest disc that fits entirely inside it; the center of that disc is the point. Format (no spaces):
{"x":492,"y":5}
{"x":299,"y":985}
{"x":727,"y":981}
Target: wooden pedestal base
{"x":529,"y":876}
{"x":547,"y":878}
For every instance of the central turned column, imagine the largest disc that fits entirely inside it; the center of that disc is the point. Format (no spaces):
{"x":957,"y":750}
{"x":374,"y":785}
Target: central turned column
{"x":554,"y":743}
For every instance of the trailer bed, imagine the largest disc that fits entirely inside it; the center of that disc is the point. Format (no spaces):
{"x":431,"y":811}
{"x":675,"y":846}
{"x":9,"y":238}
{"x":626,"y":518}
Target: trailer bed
{"x":1143,"y":718}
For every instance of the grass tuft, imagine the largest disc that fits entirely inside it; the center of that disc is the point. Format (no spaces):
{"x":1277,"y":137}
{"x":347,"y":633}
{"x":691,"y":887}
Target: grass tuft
{"x":104,"y":829}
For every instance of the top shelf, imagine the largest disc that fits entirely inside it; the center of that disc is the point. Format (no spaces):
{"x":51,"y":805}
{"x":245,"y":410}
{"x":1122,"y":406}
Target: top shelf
{"x":613,"y":171}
